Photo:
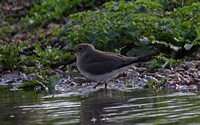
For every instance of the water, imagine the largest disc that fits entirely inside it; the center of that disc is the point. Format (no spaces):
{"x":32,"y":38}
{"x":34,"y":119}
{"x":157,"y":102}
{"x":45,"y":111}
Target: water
{"x":111,"y":107}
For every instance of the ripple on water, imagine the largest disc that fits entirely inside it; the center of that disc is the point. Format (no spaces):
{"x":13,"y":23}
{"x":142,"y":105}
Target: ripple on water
{"x":169,"y":108}
{"x":99,"y":107}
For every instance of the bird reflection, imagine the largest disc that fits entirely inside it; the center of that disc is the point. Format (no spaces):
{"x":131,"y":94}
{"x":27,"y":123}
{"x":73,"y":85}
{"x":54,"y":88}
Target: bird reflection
{"x":92,"y":111}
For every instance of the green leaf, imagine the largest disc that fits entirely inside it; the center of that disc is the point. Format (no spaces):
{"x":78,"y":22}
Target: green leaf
{"x":159,"y":42}
{"x":112,"y":35}
{"x":197,"y":30}
{"x":140,"y":50}
{"x":116,"y":6}
{"x":37,"y":6}
{"x":188,"y":46}
{"x":127,"y":84}
{"x":30,"y":85}
{"x":197,"y":38}
{"x":164,"y":25}
{"x":134,"y":32}
{"x":175,"y":48}
{"x":58,"y":11}
{"x":142,"y":10}
{"x":164,"y":4}
{"x":143,"y":41}
{"x":54,"y":80}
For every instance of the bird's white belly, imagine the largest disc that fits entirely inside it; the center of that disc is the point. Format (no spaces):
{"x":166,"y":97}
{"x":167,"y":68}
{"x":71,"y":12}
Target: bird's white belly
{"x":105,"y":76}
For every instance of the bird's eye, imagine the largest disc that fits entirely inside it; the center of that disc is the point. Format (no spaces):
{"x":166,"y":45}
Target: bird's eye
{"x":80,"y":48}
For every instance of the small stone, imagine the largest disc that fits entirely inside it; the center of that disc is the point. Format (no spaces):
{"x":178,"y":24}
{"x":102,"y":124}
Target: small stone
{"x":167,"y":71}
{"x":129,"y":70}
{"x":141,"y":69}
{"x":147,"y":74}
{"x":33,"y":76}
{"x":186,"y":57}
{"x":176,"y":75}
{"x":192,"y":70}
{"x":193,"y":75}
{"x":189,"y":65}
{"x":196,"y":80}
{"x":72,"y":84}
{"x":122,"y":74}
{"x":31,"y":63}
{"x":73,"y":65}
{"x":198,"y":73}
{"x":93,"y":120}
{"x":153,"y":78}
{"x":181,"y":73}
{"x":50,"y":73}
{"x":53,"y":25}
{"x":185,"y":81}
{"x":186,"y":76}
{"x":179,"y":68}
{"x":80,"y":79}
{"x":181,"y":65}
{"x":158,"y":76}
{"x":132,"y":74}
{"x":133,"y":68}
{"x":186,"y":72}
{"x":198,"y":54}
{"x":198,"y":63}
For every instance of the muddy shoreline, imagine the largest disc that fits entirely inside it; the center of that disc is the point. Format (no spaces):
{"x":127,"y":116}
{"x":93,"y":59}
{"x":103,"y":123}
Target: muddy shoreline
{"x":185,"y":76}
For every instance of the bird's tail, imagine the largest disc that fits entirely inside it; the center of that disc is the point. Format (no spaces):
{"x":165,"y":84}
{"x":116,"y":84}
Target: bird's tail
{"x":146,"y":57}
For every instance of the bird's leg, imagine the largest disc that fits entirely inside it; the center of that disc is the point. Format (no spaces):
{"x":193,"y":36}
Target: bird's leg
{"x":97,"y":84}
{"x":124,"y":78}
{"x":105,"y":85}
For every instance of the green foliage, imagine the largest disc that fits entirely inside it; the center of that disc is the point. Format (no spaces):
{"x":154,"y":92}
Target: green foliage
{"x":162,"y":62}
{"x":155,"y":85}
{"x":43,"y":59}
{"x":128,"y":84}
{"x":9,"y":57}
{"x":53,"y":81}
{"x":29,"y":85}
{"x":70,"y":70}
{"x":43,"y":80}
{"x":47,"y":56}
{"x":10,"y":20}
{"x":47,"y":84}
{"x":137,"y":24}
{"x":48,"y":10}
{"x":6,"y":31}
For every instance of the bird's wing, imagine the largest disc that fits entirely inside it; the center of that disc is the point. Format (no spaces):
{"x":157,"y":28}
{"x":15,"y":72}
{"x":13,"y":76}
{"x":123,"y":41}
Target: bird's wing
{"x":106,"y":63}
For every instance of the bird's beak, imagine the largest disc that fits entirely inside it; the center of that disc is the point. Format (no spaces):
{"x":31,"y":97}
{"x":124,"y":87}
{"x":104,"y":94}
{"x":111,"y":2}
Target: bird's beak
{"x":71,"y":50}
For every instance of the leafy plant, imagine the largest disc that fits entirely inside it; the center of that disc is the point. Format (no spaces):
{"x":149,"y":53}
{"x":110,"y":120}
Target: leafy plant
{"x":162,"y":62}
{"x":9,"y":56}
{"x":6,"y":31}
{"x":137,"y":24}
{"x":47,"y":83}
{"x":47,"y":10}
{"x":43,"y":80}
{"x":156,"y":85}
{"x":45,"y":57}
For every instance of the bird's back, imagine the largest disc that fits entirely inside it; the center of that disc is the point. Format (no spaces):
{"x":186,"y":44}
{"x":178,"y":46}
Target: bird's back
{"x":103,"y":62}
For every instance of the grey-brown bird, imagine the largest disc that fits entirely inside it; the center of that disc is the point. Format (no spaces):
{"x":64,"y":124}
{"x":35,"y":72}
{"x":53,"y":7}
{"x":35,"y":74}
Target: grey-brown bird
{"x":101,"y":66}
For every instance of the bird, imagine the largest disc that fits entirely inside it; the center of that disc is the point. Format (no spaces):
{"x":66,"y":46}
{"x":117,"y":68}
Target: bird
{"x":102,"y":66}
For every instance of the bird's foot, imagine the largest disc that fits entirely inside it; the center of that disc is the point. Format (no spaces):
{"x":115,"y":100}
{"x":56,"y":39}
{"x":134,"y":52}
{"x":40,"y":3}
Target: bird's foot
{"x":99,"y":84}
{"x":105,"y":85}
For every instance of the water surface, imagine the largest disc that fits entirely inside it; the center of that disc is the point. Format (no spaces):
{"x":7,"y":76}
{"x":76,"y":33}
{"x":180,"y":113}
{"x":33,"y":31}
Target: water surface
{"x":112,"y":107}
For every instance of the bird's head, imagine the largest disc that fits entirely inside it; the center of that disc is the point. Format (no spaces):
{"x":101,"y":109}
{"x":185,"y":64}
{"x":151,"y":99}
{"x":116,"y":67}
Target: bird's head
{"x":82,"y":48}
